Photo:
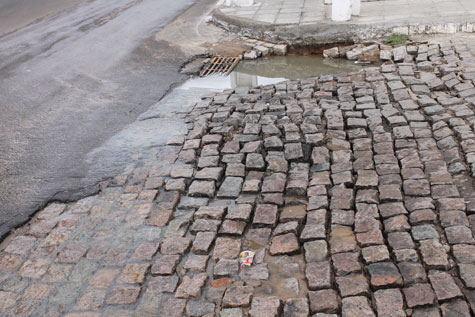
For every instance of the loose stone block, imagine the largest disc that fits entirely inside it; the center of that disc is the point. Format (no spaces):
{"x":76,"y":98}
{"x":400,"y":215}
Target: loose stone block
{"x":165,"y":265}
{"x":356,"y":306}
{"x":191,"y":286}
{"x":433,"y":254}
{"x":252,"y":147}
{"x":182,"y":171}
{"x":342,"y":198}
{"x":175,"y":245}
{"x":202,"y":189}
{"x":334,"y":119}
{"x":325,"y":301}
{"x":390,"y":193}
{"x":321,"y":158}
{"x":416,"y":187}
{"x":444,"y":285}
{"x":384,"y":274}
{"x":239,"y":212}
{"x":236,"y":169}
{"x":227,"y":248}
{"x":317,"y":202}
{"x":232,"y":227}
{"x":374,"y":254}
{"x":352,"y":285}
{"x":208,"y":161}
{"x":315,"y":251}
{"x":367,"y":179}
{"x":159,"y":218}
{"x":266,"y":215}
{"x":459,"y":307}
{"x":210,"y":212}
{"x":424,"y":232}
{"x":196,"y":263}
{"x":312,"y":232}
{"x":318,"y":275}
{"x":274,"y":183}
{"x":459,"y":234}
{"x":284,"y":244}
{"x":202,"y":242}
{"x":412,"y":273}
{"x":255,"y":161}
{"x":389,"y":302}
{"x":419,"y":295}
{"x":273,"y":143}
{"x":293,"y":151}
{"x":373,"y":237}
{"x":286,"y":227}
{"x":397,"y":223}
{"x":450,"y":218}
{"x":226,"y":268}
{"x":345,"y":263}
{"x":230,"y":188}
{"x":237,"y":296}
{"x":464,"y":253}
{"x":204,"y":225}
{"x":210,"y":173}
{"x":365,"y":223}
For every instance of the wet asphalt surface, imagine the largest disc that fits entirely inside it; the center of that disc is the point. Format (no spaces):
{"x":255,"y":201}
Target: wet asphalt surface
{"x":70,"y":82}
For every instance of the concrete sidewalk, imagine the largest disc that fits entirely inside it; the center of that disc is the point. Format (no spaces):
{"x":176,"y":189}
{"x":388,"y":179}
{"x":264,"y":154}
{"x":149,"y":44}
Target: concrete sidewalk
{"x":310,"y":20}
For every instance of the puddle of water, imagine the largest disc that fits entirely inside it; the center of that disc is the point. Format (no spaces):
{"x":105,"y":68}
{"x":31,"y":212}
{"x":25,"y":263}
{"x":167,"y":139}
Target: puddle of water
{"x":271,"y":70}
{"x":295,"y":67}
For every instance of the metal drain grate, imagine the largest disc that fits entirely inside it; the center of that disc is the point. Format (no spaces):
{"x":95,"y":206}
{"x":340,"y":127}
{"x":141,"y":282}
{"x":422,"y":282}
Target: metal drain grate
{"x":220,"y":65}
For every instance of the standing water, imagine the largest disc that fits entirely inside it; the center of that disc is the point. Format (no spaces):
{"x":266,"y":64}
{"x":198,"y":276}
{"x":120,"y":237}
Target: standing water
{"x":271,"y":70}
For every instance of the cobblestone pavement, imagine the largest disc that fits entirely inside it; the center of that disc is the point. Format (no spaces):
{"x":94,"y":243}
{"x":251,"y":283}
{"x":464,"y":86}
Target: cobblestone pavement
{"x":355,"y":192}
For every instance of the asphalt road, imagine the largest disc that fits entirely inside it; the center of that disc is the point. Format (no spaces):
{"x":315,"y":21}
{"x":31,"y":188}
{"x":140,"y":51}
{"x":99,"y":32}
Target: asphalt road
{"x":68,"y":83}
{"x":15,"y":14}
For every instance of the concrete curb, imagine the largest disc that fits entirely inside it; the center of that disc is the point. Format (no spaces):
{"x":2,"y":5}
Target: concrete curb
{"x":325,"y":33}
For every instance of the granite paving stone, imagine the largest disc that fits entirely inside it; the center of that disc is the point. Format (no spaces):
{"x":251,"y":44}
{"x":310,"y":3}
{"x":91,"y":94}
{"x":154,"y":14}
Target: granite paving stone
{"x":354,"y":190}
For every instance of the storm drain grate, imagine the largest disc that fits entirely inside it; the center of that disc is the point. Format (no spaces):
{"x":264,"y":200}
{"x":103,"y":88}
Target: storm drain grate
{"x":220,"y":65}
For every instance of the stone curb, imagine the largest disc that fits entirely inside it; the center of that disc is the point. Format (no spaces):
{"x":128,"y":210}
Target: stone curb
{"x":324,"y":33}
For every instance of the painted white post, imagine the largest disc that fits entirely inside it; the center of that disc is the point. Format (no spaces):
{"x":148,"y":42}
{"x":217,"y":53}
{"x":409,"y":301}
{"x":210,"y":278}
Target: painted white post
{"x":341,"y":10}
{"x":355,"y":7}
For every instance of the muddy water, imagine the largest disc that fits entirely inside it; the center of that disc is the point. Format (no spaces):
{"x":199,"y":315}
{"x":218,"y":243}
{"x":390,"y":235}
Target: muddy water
{"x":271,"y":70}
{"x":295,"y":67}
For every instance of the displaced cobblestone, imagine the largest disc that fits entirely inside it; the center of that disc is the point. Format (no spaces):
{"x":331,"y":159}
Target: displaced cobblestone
{"x":355,"y":192}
